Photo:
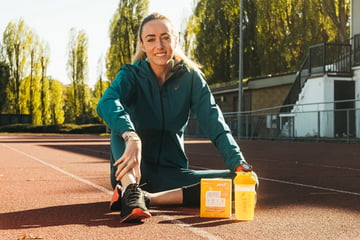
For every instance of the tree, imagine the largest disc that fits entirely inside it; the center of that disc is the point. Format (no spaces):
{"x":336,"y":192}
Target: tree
{"x":101,"y":84}
{"x":338,"y":11}
{"x":213,"y":34}
{"x":4,"y":81}
{"x":123,"y":32}
{"x":287,"y":29}
{"x":214,"y":31}
{"x":24,"y":85}
{"x":28,"y":91}
{"x":44,"y":84}
{"x":277,"y":34}
{"x":15,"y":40}
{"x":57,"y":102}
{"x":34,"y":98}
{"x":77,"y":69}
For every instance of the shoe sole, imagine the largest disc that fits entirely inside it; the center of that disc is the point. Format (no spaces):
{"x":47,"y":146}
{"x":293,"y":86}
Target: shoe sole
{"x":136,"y":215}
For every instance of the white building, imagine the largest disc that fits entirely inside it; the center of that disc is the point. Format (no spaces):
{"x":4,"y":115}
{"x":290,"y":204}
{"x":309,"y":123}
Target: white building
{"x":330,"y":74}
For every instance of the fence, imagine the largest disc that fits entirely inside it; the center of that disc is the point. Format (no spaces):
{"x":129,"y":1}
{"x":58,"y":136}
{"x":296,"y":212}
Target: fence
{"x":326,"y":58}
{"x":356,"y":50}
{"x":330,"y":58}
{"x":315,"y":121}
{"x":6,"y":119}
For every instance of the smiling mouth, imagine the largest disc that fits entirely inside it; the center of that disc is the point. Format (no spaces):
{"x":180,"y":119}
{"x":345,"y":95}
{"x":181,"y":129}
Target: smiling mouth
{"x":160,"y":54}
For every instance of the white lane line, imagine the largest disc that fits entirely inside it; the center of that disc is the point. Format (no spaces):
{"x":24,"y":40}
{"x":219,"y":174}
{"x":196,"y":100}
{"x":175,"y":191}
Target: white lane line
{"x":302,"y":164}
{"x":196,"y":231}
{"x":311,"y":165}
{"x":295,"y":184}
{"x":60,"y":170}
{"x":311,"y":186}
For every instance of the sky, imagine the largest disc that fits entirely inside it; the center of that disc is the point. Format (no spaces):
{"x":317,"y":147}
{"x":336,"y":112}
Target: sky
{"x":53,"y":19}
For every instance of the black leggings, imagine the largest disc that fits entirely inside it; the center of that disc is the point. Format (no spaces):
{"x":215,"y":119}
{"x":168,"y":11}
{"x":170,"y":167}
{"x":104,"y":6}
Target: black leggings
{"x":191,"y":195}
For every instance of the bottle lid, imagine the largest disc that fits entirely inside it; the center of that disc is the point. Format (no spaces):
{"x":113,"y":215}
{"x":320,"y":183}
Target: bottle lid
{"x":245,"y":178}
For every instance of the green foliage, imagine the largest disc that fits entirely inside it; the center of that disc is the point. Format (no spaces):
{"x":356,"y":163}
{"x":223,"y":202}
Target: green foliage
{"x":4,"y":81}
{"x":286,"y":30}
{"x":213,"y":33}
{"x":276,"y":37}
{"x":215,"y":26}
{"x":277,"y":34}
{"x":16,"y":45}
{"x":123,"y":32}
{"x":57,"y":103}
{"x":45,"y":85}
{"x":61,"y":128}
{"x":28,"y":89}
{"x":100,"y":87}
{"x":78,"y":99}
{"x":336,"y":14}
{"x":70,"y":114}
{"x":35,"y":101}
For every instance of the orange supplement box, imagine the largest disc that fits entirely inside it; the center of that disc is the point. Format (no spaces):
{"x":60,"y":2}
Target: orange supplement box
{"x":215,"y":199}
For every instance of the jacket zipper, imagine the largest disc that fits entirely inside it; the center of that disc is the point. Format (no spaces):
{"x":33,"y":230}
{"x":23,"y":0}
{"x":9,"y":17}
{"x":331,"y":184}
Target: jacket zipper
{"x":163,"y":115}
{"x":162,"y":125}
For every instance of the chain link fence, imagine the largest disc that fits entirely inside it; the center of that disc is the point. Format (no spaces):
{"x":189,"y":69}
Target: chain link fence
{"x":315,"y":121}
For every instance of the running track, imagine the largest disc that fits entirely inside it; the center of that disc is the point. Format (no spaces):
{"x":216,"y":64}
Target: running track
{"x":57,"y":187}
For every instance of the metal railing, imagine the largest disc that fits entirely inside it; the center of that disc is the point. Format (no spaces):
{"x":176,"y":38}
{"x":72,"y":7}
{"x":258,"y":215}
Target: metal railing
{"x":356,"y":50}
{"x":313,"y":121}
{"x":301,"y":77}
{"x":333,"y":59}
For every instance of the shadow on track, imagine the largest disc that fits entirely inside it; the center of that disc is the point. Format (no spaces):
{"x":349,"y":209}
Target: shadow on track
{"x":88,"y":214}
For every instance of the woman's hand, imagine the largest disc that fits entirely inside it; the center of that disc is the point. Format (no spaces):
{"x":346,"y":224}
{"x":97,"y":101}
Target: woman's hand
{"x":129,"y":162}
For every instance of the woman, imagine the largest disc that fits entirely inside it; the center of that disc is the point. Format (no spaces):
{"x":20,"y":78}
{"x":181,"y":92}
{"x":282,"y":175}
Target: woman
{"x":147,"y":108}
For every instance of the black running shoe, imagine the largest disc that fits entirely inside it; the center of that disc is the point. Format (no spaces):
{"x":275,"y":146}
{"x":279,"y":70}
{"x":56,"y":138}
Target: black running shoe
{"x":133,"y":207}
{"x":115,"y":203}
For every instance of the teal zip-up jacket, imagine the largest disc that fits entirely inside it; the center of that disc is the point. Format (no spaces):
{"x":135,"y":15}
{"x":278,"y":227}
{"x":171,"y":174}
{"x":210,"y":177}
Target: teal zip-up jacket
{"x":134,"y":101}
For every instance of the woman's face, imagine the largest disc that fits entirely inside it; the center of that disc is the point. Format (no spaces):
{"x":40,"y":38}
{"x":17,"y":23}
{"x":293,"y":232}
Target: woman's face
{"x":158,"y":42}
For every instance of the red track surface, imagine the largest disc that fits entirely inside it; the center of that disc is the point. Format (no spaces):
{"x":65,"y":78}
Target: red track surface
{"x":57,"y":187}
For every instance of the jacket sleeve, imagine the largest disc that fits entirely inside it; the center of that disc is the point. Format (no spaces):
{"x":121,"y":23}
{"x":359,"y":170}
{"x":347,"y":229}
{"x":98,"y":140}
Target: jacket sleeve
{"x":212,"y":122}
{"x":113,"y":104}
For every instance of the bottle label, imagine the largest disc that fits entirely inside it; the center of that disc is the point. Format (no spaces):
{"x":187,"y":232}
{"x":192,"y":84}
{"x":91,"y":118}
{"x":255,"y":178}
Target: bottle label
{"x":244,"y":205}
{"x":214,"y":199}
{"x":242,"y":188}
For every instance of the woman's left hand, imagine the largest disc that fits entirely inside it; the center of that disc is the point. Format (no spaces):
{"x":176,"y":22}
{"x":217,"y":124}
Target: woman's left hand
{"x":129,"y":162}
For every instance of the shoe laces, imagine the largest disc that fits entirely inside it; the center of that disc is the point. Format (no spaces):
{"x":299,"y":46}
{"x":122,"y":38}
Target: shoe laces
{"x":133,"y":193}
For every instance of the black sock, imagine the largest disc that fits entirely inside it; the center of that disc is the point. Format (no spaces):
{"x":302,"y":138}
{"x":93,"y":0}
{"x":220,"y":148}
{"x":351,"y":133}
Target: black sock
{"x":191,"y":195}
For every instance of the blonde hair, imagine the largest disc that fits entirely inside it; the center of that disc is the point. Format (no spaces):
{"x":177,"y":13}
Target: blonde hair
{"x":179,"y":54}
